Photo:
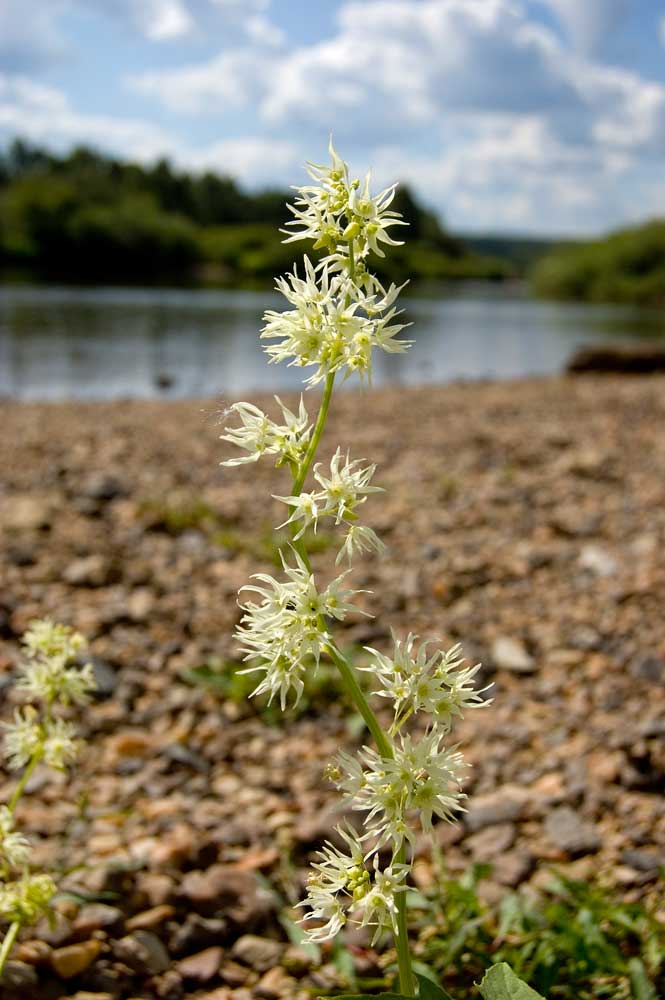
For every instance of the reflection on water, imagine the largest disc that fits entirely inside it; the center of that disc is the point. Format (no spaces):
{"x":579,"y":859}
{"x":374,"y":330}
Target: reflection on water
{"x":58,"y":343}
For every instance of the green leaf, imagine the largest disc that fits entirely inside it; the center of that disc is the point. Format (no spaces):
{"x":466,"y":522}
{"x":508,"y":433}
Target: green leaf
{"x":428,"y":990}
{"x":501,"y":983}
{"x":640,"y":984}
{"x":369,"y":996}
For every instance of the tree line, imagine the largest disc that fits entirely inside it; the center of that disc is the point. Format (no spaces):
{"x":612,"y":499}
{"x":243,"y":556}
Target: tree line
{"x":85,"y":214}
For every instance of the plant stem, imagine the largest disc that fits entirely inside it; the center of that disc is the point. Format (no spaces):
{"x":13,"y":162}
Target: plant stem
{"x":383,"y":743}
{"x":402,"y":936}
{"x":25,"y":777}
{"x":360,"y":701}
{"x":316,"y":436}
{"x":8,"y":943}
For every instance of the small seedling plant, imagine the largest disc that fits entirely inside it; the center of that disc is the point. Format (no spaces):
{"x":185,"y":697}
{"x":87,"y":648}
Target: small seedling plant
{"x":410,"y":774}
{"x":50,"y":681}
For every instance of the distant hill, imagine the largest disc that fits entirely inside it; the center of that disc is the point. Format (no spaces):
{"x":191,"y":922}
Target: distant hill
{"x":520,"y":252}
{"x":85,"y":216}
{"x":626,"y":266}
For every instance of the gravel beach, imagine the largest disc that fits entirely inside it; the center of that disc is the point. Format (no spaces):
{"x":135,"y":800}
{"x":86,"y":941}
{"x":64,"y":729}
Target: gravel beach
{"x":524,"y":519}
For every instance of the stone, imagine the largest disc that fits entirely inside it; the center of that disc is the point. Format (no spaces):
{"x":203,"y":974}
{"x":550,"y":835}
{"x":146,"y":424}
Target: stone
{"x":25,"y":512}
{"x":643,"y":861}
{"x":506,"y":805}
{"x":89,"y":571}
{"x":570,"y":833}
{"x":104,"y":487}
{"x":511,"y":654}
{"x":513,"y":867}
{"x":97,"y":917}
{"x":258,"y":953}
{"x":273,"y":984}
{"x":198,"y":932}
{"x":147,"y":920}
{"x":74,"y":958}
{"x":598,"y":560}
{"x":223,"y":890}
{"x":143,"y":952}
{"x":490,"y":841}
{"x":203,"y":966}
{"x":19,"y":975}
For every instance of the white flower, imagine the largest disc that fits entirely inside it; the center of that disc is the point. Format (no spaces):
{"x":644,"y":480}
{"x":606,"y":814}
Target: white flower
{"x":344,"y":490}
{"x":334,"y":326}
{"x":341,"y":887}
{"x":14,"y":847}
{"x":23,"y":738}
{"x":48,"y":675}
{"x":422,"y":777}
{"x":51,"y":680}
{"x":258,"y":435}
{"x":286,"y":630}
{"x":27,"y":899}
{"x":360,"y":539}
{"x":46,"y":638}
{"x":438,"y":685}
{"x":60,"y":743}
{"x":336,"y":211}
{"x":370,"y":217}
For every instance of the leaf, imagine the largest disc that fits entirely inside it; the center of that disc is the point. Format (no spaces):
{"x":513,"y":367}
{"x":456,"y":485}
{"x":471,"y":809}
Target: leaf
{"x":501,"y":983}
{"x":370,"y":996}
{"x":428,"y":990}
{"x":640,"y":984}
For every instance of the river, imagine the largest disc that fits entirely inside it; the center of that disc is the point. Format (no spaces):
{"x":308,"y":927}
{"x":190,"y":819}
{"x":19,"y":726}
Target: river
{"x":102,"y":343}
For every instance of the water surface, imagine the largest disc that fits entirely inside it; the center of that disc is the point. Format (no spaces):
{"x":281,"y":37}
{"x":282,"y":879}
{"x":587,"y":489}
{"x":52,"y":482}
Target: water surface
{"x":102,"y":343}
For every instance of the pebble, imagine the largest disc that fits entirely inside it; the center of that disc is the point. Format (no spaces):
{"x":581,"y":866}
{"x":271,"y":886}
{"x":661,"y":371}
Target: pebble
{"x":203,"y":966}
{"x":570,"y":833}
{"x":257,"y":952}
{"x":89,"y":571}
{"x":511,"y":654}
{"x":147,"y":920}
{"x":74,"y":958}
{"x":143,"y":952}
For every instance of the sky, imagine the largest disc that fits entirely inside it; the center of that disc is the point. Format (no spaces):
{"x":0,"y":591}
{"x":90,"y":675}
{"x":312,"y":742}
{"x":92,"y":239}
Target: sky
{"x":523,"y":116}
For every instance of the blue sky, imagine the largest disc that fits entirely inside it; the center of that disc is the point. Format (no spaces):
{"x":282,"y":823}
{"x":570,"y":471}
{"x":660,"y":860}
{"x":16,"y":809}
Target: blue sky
{"x":541,"y":116}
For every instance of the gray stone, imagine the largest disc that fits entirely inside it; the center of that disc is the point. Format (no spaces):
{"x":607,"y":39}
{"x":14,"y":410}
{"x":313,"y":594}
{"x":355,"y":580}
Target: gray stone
{"x":598,"y":561}
{"x":143,"y":952}
{"x":511,"y":654}
{"x":505,"y":805}
{"x":570,"y":833}
{"x":258,"y":953}
{"x":89,"y":571}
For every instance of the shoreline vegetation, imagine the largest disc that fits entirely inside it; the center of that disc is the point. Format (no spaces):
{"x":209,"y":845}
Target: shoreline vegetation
{"x":626,"y":266}
{"x":87,"y":217}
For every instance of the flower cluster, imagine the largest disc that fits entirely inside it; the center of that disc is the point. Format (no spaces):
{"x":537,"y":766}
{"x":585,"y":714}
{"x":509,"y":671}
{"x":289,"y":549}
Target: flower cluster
{"x":258,"y":435}
{"x":341,"y":884}
{"x":286,"y":632}
{"x":334,"y":324}
{"x":337,"y":314}
{"x":440,"y":685}
{"x":342,"y":491}
{"x":37,"y":735}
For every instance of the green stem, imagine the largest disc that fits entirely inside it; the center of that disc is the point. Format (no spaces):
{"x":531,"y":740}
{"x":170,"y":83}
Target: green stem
{"x":8,"y":943}
{"x":316,"y":436}
{"x":25,"y":777}
{"x":348,"y":674}
{"x":402,"y":937}
{"x":360,"y":701}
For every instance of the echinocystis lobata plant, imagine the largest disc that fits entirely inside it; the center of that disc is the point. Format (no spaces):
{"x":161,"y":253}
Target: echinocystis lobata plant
{"x":50,"y":681}
{"x":339,"y":314}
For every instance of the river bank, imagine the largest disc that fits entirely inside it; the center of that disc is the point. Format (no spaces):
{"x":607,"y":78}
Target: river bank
{"x":525,"y":519}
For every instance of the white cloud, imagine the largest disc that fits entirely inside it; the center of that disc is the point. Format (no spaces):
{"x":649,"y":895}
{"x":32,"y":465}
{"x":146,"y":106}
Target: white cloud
{"x":253,"y":160}
{"x":45,"y":115}
{"x":589,"y":22}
